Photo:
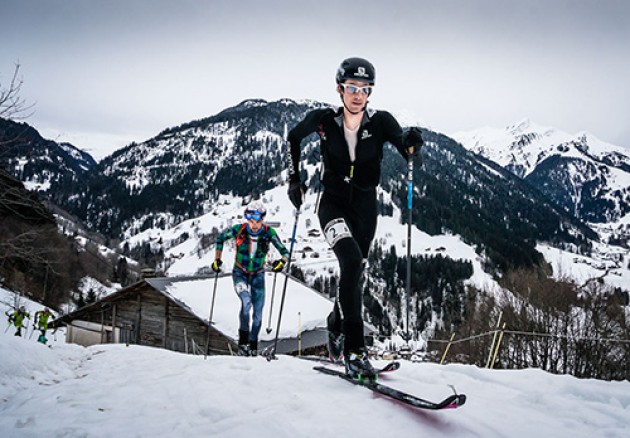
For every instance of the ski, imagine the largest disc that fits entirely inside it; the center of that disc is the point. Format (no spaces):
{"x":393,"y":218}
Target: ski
{"x":451,"y":402}
{"x":391,"y":366}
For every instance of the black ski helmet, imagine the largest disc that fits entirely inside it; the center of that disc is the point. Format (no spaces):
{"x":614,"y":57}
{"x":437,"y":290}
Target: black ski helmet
{"x":358,"y":69}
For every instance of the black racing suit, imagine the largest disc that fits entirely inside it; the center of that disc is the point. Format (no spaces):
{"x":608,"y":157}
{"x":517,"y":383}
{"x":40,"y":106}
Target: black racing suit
{"x":348,"y":207}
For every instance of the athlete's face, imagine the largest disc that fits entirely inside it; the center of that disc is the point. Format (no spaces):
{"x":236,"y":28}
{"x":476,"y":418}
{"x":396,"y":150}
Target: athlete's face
{"x":355,"y":94}
{"x":255,"y":225}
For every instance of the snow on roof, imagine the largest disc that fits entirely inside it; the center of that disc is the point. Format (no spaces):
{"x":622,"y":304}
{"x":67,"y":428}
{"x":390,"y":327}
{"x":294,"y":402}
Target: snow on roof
{"x":303,"y":307}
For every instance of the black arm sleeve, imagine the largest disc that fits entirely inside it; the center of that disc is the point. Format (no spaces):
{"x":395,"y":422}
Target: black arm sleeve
{"x":393,"y":133}
{"x":296,"y":135}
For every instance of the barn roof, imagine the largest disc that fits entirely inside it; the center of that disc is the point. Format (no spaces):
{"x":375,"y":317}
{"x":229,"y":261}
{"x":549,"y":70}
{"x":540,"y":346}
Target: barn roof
{"x":303,"y":306}
{"x":305,"y":309}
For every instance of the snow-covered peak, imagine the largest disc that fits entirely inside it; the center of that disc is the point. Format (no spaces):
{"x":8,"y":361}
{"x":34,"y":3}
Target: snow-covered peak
{"x":577,"y":171}
{"x":600,"y":148}
{"x":526,"y":126}
{"x":407,"y":117}
{"x":523,"y":145}
{"x":252,"y":103}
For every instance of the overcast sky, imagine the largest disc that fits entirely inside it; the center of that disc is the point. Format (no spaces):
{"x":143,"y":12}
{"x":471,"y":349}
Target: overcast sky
{"x":105,"y":73}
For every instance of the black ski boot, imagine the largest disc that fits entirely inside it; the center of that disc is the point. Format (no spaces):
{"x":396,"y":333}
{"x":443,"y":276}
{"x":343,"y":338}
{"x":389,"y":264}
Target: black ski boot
{"x":335,"y":346}
{"x":253,"y":348}
{"x":359,"y":367}
{"x":335,"y":337}
{"x":243,"y":343}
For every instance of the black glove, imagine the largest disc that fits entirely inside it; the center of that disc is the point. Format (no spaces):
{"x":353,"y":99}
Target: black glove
{"x":296,"y":193}
{"x":216,"y":265}
{"x":413,"y":140}
{"x":277,"y":265}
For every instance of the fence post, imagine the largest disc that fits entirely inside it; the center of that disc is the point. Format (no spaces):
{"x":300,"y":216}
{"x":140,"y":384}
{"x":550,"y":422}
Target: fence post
{"x":185,"y":341}
{"x":496,"y":351}
{"x":494,"y":339}
{"x":299,"y":334}
{"x":446,"y":349}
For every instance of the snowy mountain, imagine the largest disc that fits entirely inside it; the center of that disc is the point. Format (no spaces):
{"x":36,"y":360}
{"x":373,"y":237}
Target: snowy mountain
{"x":587,"y":177}
{"x":38,"y":162}
{"x":208,"y":169}
{"x":114,"y":390}
{"x":182,"y":173}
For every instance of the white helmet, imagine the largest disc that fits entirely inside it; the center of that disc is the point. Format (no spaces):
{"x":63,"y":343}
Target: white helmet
{"x":255,"y":208}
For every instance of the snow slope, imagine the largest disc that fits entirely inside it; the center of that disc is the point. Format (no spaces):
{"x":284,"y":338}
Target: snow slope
{"x":118,"y":391}
{"x":312,"y":253}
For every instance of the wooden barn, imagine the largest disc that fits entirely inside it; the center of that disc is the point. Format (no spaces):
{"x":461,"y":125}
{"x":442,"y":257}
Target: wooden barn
{"x":144,"y":314}
{"x":173,"y":313}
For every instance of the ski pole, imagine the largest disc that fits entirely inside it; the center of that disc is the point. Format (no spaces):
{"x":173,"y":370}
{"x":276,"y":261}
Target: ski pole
{"x":272,"y":354}
{"x":273,"y":293}
{"x":214,"y":292}
{"x":319,"y":187}
{"x":409,"y":205}
{"x":34,"y":327}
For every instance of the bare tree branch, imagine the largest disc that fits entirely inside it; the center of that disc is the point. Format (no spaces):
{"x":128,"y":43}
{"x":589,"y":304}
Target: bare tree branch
{"x":24,"y":246}
{"x":12,"y":105}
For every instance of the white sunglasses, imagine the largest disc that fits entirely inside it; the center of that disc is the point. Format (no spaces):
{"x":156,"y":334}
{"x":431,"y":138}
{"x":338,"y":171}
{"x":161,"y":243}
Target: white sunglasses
{"x":354,"y":89}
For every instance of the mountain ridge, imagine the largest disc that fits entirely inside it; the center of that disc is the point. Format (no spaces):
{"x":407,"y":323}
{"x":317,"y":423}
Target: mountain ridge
{"x":39,"y":162}
{"x":587,"y":177}
{"x":240,"y":151}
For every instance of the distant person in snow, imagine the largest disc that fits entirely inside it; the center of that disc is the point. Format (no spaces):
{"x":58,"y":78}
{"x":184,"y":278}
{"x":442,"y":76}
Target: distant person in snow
{"x":351,"y":146}
{"x":17,"y":318}
{"x":42,"y":319}
{"x":252,"y":244}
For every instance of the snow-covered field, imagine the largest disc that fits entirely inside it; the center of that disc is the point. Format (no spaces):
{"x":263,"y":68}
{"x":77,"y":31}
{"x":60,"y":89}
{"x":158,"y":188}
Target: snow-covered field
{"x":118,"y":391}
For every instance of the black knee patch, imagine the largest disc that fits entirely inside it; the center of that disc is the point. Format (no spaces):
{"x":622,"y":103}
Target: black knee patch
{"x":349,"y":256}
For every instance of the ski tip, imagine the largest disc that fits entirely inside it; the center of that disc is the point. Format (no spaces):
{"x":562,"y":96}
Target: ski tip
{"x":461,"y":399}
{"x":458,"y":400}
{"x":391,"y":366}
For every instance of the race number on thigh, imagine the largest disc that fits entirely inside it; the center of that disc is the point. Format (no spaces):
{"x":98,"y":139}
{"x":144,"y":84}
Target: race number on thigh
{"x":335,"y":230}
